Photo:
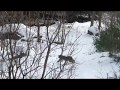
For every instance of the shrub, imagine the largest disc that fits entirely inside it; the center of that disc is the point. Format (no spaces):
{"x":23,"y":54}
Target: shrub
{"x":109,"y":40}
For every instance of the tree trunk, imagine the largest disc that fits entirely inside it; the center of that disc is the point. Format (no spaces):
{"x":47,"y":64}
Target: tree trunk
{"x":46,"y":60}
{"x":111,"y":20}
{"x":38,"y":34}
{"x":100,"y":16}
{"x":92,"y":18}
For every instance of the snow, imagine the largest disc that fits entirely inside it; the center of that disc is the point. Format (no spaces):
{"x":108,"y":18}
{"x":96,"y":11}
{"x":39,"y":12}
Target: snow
{"x":93,"y":29}
{"x":89,"y":63}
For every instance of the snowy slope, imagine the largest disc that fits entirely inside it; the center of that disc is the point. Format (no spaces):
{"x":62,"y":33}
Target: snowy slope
{"x":89,"y":63}
{"x":92,"y":63}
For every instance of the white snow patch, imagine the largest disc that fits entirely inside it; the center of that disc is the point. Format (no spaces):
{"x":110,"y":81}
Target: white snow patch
{"x":93,"y":29}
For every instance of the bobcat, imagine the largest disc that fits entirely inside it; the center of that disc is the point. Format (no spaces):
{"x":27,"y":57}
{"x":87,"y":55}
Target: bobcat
{"x":66,"y":58}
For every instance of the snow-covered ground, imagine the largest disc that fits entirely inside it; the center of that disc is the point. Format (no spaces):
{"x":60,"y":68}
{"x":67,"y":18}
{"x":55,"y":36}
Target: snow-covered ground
{"x":89,"y":63}
{"x":92,"y":64}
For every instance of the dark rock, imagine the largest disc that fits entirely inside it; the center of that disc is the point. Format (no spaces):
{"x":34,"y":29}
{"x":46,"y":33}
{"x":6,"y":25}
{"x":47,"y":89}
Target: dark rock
{"x":90,"y":33}
{"x":97,"y":34}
